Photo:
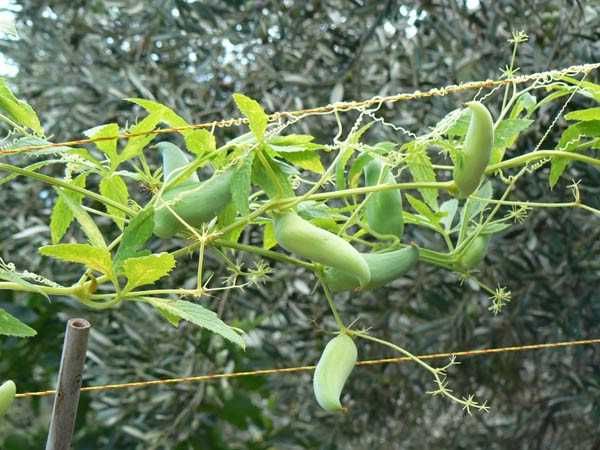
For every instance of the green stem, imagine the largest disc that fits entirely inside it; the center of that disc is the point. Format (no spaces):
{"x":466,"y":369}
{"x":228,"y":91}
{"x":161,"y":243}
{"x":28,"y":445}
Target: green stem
{"x":541,"y":154}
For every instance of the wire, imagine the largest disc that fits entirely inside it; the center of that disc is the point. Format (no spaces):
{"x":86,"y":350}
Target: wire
{"x":547,"y":76}
{"x":370,"y":362}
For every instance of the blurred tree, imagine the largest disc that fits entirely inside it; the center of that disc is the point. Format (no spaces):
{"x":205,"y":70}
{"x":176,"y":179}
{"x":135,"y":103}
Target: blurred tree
{"x":77,"y":60}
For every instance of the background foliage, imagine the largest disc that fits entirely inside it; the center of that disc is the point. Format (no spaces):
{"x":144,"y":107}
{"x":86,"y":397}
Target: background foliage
{"x":77,"y":60}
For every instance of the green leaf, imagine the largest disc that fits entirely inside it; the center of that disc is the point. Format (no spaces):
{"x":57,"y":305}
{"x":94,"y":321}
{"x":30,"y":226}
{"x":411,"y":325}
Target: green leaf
{"x":526,"y":102}
{"x":11,"y":326}
{"x":268,"y":175}
{"x":584,"y":114}
{"x":473,"y":207}
{"x":291,"y":139}
{"x":169,"y":117}
{"x":92,"y":257}
{"x":200,"y":141}
{"x":136,"y":144}
{"x":347,"y":149}
{"x":136,"y":234}
{"x":449,"y":207}
{"x":460,"y":126}
{"x":505,"y":135}
{"x":17,"y":110}
{"x":113,"y":187}
{"x":147,"y":269}
{"x":88,"y":226}
{"x":109,"y":134}
{"x":421,"y":169}
{"x":198,"y":315}
{"x":424,"y":210}
{"x":173,"y":319}
{"x":62,"y":216}
{"x":255,"y":114}
{"x":226,"y":218}
{"x":305,"y":160}
{"x":241,"y":184}
{"x":8,"y":273}
{"x":269,"y":240}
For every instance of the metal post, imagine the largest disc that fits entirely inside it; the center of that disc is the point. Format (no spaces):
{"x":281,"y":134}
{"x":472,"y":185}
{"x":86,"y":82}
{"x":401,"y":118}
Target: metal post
{"x":66,"y":400}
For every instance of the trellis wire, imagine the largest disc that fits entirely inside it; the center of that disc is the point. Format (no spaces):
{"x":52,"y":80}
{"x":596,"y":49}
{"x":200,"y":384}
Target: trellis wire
{"x":371,"y":362}
{"x":547,"y":76}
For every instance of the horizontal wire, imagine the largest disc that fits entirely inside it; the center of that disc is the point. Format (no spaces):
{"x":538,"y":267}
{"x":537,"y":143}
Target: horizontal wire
{"x":370,"y":362}
{"x":331,"y":108}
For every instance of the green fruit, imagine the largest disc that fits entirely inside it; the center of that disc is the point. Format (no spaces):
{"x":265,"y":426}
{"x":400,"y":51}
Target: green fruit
{"x":8,"y":390}
{"x":470,"y":164}
{"x":334,"y":367}
{"x":196,"y":203}
{"x":383,"y":209}
{"x":309,"y":241}
{"x":384,"y":268}
{"x":173,"y":159}
{"x":474,"y":253}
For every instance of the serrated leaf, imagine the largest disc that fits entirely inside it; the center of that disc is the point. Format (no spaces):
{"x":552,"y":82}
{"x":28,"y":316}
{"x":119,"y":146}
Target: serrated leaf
{"x":526,"y":102}
{"x":269,"y":240}
{"x":584,"y":114}
{"x":305,"y":160}
{"x":113,"y":187}
{"x":199,"y":315}
{"x":137,"y":232}
{"x":449,"y":207}
{"x":505,"y":135}
{"x":98,"y":259}
{"x":109,"y":134}
{"x":268,"y":175}
{"x":88,"y":225}
{"x":11,"y":326}
{"x":17,"y":110}
{"x":147,"y":269}
{"x":347,"y":149}
{"x":459,"y":128}
{"x":255,"y":114}
{"x":200,"y":141}
{"x":420,"y":207}
{"x":136,"y":144}
{"x":421,"y":169}
{"x":226,"y":218}
{"x":241,"y":184}
{"x":62,"y":216}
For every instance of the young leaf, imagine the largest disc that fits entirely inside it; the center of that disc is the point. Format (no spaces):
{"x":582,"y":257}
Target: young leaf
{"x":17,"y":110}
{"x":525,"y":102}
{"x":11,"y":326}
{"x":62,"y":216}
{"x":255,"y":114}
{"x":241,"y":184}
{"x":347,"y":149}
{"x":421,"y":169}
{"x":109,"y":134}
{"x":584,"y":114}
{"x":200,"y":141}
{"x":94,"y":258}
{"x":506,"y":135}
{"x":268,"y":175}
{"x":88,"y":225}
{"x":198,"y":315}
{"x":147,"y":269}
{"x":113,"y":187}
{"x":449,"y":207}
{"x":269,"y":240}
{"x":423,"y":209}
{"x":305,"y":160}
{"x":136,"y":234}
{"x":291,"y":139}
{"x":136,"y":144}
{"x":226,"y":218}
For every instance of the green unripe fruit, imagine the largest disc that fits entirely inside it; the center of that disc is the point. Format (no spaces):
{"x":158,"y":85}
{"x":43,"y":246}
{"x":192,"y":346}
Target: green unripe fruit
{"x":8,"y":390}
{"x":174,"y":159}
{"x":474,"y":253}
{"x":470,"y":164}
{"x":384,"y":268}
{"x":383,"y":209}
{"x":196,"y":203}
{"x":301,"y":237}
{"x":334,"y":367}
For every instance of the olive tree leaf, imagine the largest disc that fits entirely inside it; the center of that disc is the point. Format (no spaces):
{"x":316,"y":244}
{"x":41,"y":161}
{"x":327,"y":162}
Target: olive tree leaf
{"x":113,"y":187}
{"x":257,"y":118}
{"x":147,"y":269}
{"x":11,"y":326}
{"x":17,"y":110}
{"x":199,"y":315}
{"x":241,"y":184}
{"x":62,"y":215}
{"x":98,"y":259}
{"x":137,"y":232}
{"x":421,"y":169}
{"x":88,"y":225}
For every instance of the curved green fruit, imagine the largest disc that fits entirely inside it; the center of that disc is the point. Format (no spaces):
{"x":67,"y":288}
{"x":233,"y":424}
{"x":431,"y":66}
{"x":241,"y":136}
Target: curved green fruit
{"x":334,"y":367}
{"x":474,"y":253}
{"x":309,"y":241}
{"x":196,"y":203}
{"x":173,"y":159}
{"x":470,"y":164}
{"x":384,"y":268}
{"x":8,"y":390}
{"x":383,"y":209}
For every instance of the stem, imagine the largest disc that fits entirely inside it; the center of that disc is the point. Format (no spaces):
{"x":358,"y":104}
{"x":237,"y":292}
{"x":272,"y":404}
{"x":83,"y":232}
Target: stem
{"x":541,"y":154}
